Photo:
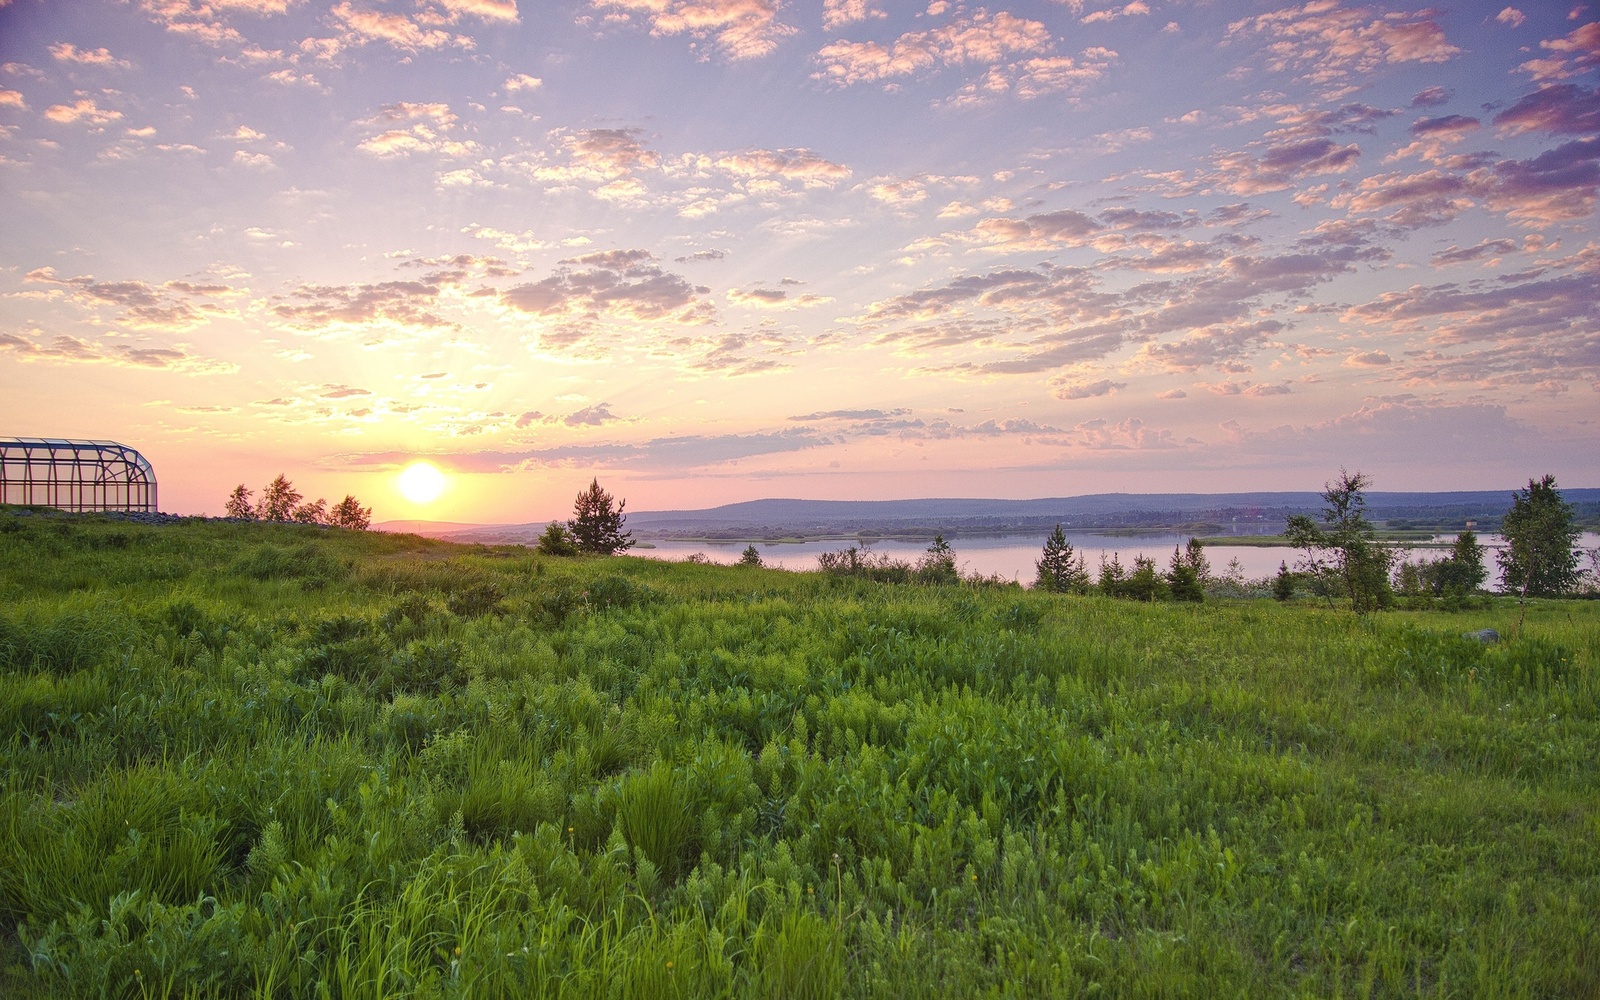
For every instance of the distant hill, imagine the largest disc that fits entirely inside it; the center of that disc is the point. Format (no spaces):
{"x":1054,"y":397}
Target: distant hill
{"x":1211,"y":513}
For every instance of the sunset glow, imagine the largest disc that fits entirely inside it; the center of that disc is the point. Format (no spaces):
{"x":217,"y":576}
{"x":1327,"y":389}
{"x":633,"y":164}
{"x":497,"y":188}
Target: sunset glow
{"x":421,"y":482}
{"x":729,"y":249}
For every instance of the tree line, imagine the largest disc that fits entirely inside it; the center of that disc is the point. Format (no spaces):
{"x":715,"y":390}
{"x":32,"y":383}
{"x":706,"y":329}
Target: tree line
{"x":280,"y":501}
{"x":1342,"y":555}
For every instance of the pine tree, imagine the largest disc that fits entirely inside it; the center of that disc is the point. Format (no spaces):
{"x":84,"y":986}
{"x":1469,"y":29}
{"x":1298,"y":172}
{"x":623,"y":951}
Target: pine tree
{"x":1057,"y":572}
{"x":1182,"y":578}
{"x":1283,"y":583}
{"x":596,"y":524}
{"x":750,"y":557}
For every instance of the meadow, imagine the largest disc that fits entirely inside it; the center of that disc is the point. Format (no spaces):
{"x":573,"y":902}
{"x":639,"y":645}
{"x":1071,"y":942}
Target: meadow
{"x":283,"y":761}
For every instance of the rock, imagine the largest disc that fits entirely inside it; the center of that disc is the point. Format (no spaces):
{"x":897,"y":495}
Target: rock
{"x":1487,"y":636}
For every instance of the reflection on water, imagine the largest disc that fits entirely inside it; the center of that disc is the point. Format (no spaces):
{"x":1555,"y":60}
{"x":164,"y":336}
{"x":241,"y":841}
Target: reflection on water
{"x":1012,"y":557}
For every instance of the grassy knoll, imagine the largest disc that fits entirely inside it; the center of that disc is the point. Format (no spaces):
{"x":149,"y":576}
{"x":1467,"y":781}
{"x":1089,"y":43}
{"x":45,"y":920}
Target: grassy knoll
{"x":251,"y":760}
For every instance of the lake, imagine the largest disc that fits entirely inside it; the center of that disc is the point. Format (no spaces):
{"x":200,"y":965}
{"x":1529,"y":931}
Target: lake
{"x":1012,"y":557}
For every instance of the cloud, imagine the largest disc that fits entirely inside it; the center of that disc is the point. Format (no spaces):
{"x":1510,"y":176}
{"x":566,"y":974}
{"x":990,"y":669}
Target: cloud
{"x":403,"y":303}
{"x":978,"y":38}
{"x":1218,"y":347}
{"x":851,"y":415}
{"x":1253,"y":389}
{"x":801,"y":165}
{"x":688,"y":451}
{"x":616,"y":284}
{"x":702,"y":255}
{"x":67,"y":52}
{"x":12,"y":99}
{"x":1511,"y":16}
{"x":82,"y":110}
{"x":740,"y":29}
{"x":1045,"y":231}
{"x":1577,"y":52}
{"x":486,"y":10}
{"x":838,"y":13}
{"x":426,"y":128}
{"x":1129,"y":434}
{"x":1557,"y":185}
{"x":591,"y":416}
{"x":774,"y":298}
{"x":1112,"y":13}
{"x":1281,"y":164}
{"x":1430,"y":198}
{"x":1328,"y":43}
{"x":140,"y":303}
{"x":1530,"y":332}
{"x":360,"y":26}
{"x":1369,"y":359}
{"x":1089,"y":390}
{"x":64,"y":349}
{"x":607,"y":157}
{"x":1492,"y":249}
{"x":522,"y":81}
{"x":1430,"y":97}
{"x":1561,"y":109}
{"x":332,"y":391}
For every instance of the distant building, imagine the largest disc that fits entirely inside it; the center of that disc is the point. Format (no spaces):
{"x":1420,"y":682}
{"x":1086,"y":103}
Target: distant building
{"x":78,"y":476}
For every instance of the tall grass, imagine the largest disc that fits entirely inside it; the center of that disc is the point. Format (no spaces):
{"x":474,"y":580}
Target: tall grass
{"x":274,"y":761}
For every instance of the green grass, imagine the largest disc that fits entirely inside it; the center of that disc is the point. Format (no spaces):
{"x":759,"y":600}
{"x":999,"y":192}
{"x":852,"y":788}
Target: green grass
{"x":278,"y":761}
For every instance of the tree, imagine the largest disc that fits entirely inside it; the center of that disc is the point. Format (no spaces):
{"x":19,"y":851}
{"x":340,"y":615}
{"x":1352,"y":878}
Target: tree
{"x":1540,"y":557}
{"x":279,"y":500}
{"x":597,"y":521}
{"x":1457,"y":576}
{"x":1194,"y":554}
{"x":1182,"y":578}
{"x":1112,"y":575}
{"x":1058,"y":573}
{"x":239,"y":504}
{"x":311,"y":513}
{"x":1283,"y":583}
{"x":348,"y":513}
{"x":556,"y":541}
{"x":750,"y":557}
{"x":1144,"y":583}
{"x":1359,"y":563}
{"x":938,"y":564}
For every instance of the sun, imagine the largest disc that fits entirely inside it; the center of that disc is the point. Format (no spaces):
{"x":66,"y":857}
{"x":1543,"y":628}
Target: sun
{"x":421,"y":482}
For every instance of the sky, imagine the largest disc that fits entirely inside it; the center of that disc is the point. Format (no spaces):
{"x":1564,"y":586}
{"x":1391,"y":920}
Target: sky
{"x":716,"y":250}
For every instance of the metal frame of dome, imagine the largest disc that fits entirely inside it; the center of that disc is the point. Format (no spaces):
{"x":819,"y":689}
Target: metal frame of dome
{"x":78,"y":476}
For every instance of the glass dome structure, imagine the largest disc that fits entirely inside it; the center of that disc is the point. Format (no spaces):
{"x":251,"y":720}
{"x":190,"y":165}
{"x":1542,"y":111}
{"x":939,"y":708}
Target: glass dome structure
{"x":78,"y":476}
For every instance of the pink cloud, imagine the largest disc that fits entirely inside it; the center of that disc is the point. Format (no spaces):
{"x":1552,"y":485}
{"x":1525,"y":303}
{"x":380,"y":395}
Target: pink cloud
{"x":980,"y":38}
{"x":67,"y":52}
{"x":82,"y":110}
{"x":1328,"y":42}
{"x":1276,"y":169}
{"x":1560,"y":108}
{"x":741,"y":29}
{"x":1575,"y":53}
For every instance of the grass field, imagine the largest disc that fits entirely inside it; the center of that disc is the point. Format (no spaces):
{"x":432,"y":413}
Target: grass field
{"x":277,"y":761}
